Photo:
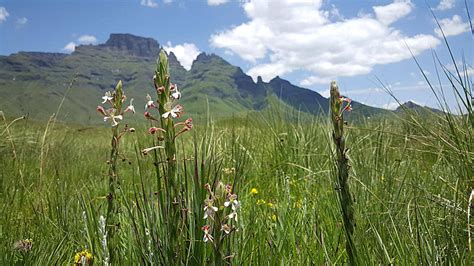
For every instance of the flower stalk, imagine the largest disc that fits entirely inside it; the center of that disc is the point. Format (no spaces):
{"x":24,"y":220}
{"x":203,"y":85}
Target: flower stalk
{"x":165,"y":130}
{"x":114,"y":114}
{"x":338,"y":106}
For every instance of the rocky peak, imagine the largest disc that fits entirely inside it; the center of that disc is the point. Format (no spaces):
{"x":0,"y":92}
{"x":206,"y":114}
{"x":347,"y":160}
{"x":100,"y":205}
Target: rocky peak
{"x":135,"y":45}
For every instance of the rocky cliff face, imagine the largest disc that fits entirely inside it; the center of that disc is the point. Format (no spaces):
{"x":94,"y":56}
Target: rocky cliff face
{"x":134,"y":45}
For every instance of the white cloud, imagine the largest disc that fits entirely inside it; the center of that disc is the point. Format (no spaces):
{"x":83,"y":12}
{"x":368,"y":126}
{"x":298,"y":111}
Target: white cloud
{"x":311,"y":80}
{"x":148,"y":3}
{"x":70,"y":47}
{"x":167,"y":1}
{"x":83,"y":39}
{"x":445,"y":4}
{"x":87,"y":39}
{"x":186,"y":53}
{"x":216,"y":2}
{"x":282,"y":36}
{"x":392,"y":12}
{"x":3,"y":14}
{"x":390,"y":106}
{"x":22,"y":21}
{"x":452,"y":26}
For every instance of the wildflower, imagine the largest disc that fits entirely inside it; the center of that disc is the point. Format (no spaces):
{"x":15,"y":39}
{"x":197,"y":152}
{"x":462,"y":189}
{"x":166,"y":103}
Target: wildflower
{"x":228,"y":170}
{"x":101,"y":110}
{"x":149,"y":116}
{"x":149,"y":103}
{"x":176,"y":94}
{"x":274,"y":217}
{"x":207,"y":235}
{"x":23,"y":245}
{"x":253,"y":191}
{"x":232,"y":215}
{"x":261,"y":201}
{"x":188,"y":125}
{"x":271,"y":205}
{"x":153,"y":130}
{"x":348,"y":106}
{"x":83,"y":258}
{"x":232,"y":201}
{"x":147,"y":150}
{"x":130,"y":107}
{"x":226,"y":228}
{"x":209,"y":209}
{"x":114,"y":119}
{"x":107,"y":97}
{"x":228,"y":188}
{"x":175,"y":112}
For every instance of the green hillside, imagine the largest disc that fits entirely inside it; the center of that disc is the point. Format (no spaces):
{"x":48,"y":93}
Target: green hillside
{"x":34,"y":83}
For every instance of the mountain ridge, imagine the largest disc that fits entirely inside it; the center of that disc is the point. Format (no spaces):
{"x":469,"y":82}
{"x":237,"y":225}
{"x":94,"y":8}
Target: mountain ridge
{"x":44,"y":77}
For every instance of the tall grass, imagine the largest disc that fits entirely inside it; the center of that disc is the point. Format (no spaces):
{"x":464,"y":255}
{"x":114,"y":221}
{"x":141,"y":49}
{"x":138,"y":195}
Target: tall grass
{"x":410,"y":184}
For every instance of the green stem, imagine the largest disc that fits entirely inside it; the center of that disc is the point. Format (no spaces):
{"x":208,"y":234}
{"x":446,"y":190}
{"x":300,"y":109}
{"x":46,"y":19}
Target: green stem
{"x":342,"y":164}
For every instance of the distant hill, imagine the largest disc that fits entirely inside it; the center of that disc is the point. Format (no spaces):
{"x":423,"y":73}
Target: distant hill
{"x":35,"y":83}
{"x":413,"y":107}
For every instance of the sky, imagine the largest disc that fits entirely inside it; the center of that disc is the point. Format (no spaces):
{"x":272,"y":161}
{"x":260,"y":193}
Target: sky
{"x":361,"y":44}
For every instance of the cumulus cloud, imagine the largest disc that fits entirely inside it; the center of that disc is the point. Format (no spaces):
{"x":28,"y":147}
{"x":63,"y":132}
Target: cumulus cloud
{"x":390,"y":106}
{"x":186,"y":53}
{"x":452,"y":26}
{"x":87,"y":39}
{"x":392,"y":12}
{"x":148,"y":3}
{"x":282,"y":36}
{"x":70,"y":47}
{"x":3,"y":14}
{"x":83,"y":39}
{"x":445,"y":4}
{"x":216,"y":2}
{"x":21,"y":21}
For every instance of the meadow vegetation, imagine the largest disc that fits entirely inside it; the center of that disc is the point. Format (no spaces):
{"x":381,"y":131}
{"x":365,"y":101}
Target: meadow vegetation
{"x":258,"y":190}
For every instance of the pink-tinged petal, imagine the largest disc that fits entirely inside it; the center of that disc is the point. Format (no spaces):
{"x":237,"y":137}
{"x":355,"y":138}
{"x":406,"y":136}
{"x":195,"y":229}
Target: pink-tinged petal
{"x":101,"y":110}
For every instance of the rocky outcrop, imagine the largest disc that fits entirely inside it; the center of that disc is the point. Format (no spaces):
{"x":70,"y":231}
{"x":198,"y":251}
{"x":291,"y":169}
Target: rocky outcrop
{"x":133,"y":45}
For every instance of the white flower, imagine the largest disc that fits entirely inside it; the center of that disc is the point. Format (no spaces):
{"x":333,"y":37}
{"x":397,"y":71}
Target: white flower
{"x":232,"y":201}
{"x":149,"y":103}
{"x":207,"y":235}
{"x":176,"y":94}
{"x":209,"y":209}
{"x":233,"y":215}
{"x":130,"y":107}
{"x":176,"y":112}
{"x":226,"y":228}
{"x":114,"y":119}
{"x":107,"y":97}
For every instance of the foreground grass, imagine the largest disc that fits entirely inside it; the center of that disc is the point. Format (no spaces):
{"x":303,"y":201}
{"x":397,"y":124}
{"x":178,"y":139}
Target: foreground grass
{"x":411,"y":192}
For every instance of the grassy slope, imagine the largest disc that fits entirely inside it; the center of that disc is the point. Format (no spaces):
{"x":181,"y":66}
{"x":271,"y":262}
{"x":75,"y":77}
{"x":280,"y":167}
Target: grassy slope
{"x":410,"y":197}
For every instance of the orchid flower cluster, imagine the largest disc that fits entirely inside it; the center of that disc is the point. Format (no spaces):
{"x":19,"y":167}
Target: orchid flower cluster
{"x":345,"y":107}
{"x":231,"y":204}
{"x":168,"y":108}
{"x":115,"y":99}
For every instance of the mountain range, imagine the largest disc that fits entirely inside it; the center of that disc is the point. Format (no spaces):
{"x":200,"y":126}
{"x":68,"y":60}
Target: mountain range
{"x":35,"y":83}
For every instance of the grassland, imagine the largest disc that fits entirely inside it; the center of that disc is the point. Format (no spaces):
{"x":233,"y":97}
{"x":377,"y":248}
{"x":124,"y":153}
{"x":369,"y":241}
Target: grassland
{"x":410,"y":177}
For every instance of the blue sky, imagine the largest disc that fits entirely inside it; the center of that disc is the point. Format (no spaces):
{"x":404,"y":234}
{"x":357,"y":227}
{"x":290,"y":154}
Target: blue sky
{"x":308,"y":42}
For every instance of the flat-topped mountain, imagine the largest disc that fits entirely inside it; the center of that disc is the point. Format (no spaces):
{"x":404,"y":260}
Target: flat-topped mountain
{"x":35,"y":82}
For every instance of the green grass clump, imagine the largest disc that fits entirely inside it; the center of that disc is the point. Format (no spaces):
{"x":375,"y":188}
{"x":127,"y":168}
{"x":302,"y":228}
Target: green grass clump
{"x":410,"y":207}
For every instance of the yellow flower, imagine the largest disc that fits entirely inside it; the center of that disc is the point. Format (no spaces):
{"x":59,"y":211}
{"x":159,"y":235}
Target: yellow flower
{"x":299,"y":204}
{"x":274,"y":218}
{"x":271,"y":205}
{"x":261,"y":201}
{"x":83,"y":257}
{"x":253,"y":191}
